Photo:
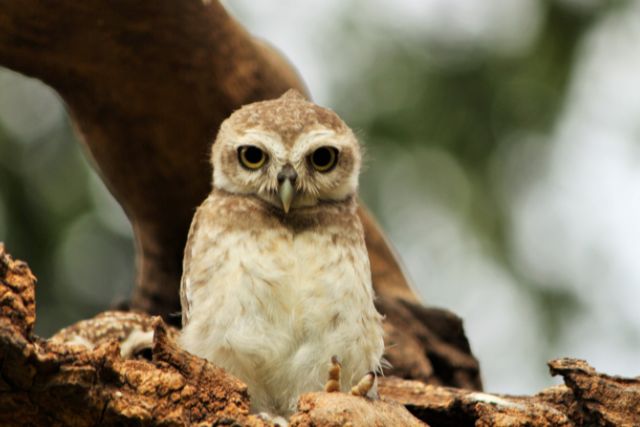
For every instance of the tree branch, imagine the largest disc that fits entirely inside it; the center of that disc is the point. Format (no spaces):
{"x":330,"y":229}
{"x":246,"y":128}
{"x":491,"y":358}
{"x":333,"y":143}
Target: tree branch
{"x":148,"y":83}
{"x":79,"y":377}
{"x":65,"y":381}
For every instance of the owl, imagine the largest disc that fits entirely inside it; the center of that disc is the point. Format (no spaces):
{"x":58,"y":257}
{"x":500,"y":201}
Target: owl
{"x":276,"y":277}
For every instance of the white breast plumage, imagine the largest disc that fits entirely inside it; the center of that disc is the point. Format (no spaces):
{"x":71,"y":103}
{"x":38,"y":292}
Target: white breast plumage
{"x":273,"y":306}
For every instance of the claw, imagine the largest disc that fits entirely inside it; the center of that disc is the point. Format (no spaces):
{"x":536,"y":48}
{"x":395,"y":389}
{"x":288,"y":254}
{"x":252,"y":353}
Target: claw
{"x":364,"y":386}
{"x":333,"y":383}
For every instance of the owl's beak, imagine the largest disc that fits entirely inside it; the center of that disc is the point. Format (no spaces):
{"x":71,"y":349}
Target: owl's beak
{"x":286,"y":190}
{"x":286,"y":193}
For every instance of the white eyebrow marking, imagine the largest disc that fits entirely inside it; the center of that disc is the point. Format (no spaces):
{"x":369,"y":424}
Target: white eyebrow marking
{"x":311,"y":140}
{"x":268,"y":141}
{"x":310,"y":137}
{"x":260,"y":133}
{"x":320,"y":133}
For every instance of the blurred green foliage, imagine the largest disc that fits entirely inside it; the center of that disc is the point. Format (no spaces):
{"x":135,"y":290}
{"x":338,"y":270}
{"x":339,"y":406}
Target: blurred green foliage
{"x":56,"y":215}
{"x":468,"y":105}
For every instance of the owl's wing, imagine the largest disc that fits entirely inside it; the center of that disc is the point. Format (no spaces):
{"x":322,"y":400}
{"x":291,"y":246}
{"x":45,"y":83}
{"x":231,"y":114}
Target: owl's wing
{"x":185,"y":291}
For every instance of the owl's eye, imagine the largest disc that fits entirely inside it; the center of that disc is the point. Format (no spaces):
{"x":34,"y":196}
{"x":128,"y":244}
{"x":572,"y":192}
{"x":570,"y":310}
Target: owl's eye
{"x":324,"y":159}
{"x":251,"y":157}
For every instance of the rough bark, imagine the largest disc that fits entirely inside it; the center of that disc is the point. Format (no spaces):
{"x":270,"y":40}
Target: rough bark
{"x":427,"y":344}
{"x":588,"y":398}
{"x":47,"y":383}
{"x":600,"y":399}
{"x":337,"y":410}
{"x":59,"y":382}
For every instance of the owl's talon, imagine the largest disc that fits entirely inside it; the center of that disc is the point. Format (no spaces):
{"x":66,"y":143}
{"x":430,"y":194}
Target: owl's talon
{"x":364,"y":385}
{"x":333,"y":383}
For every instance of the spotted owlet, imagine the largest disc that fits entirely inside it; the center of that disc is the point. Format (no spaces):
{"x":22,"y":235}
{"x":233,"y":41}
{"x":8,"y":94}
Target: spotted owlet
{"x":276,"y":274}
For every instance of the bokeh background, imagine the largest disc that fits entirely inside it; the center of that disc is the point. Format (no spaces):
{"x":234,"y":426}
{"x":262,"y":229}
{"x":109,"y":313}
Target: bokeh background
{"x":503,"y":141}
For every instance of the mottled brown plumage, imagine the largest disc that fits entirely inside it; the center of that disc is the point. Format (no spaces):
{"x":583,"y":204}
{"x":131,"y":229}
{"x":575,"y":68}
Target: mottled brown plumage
{"x":276,"y":274}
{"x":288,"y":116}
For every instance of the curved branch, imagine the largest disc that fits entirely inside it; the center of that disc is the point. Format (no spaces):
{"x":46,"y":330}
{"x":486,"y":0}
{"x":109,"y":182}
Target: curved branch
{"x":148,"y":83}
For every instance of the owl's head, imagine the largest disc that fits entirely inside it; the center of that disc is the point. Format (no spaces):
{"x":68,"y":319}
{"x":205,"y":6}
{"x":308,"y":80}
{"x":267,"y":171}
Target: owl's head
{"x":289,"y":152}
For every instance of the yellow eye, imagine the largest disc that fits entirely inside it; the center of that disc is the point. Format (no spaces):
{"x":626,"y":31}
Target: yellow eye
{"x":251,"y":157}
{"x":324,"y":159}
